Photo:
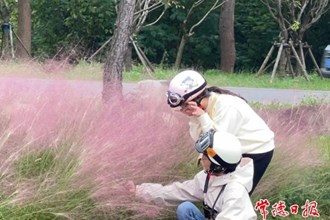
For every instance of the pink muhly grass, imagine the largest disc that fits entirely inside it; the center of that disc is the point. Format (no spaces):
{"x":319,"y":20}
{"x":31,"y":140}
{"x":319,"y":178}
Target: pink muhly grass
{"x":139,"y":139}
{"x":136,"y":139}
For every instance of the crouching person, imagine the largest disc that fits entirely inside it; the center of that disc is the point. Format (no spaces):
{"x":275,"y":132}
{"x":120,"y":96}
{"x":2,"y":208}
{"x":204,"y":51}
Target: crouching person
{"x":222,"y":185}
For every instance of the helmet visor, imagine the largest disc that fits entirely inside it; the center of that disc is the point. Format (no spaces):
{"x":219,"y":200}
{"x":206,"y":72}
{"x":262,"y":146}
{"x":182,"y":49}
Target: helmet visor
{"x":174,"y":99}
{"x":204,"y":142}
{"x":205,"y":145}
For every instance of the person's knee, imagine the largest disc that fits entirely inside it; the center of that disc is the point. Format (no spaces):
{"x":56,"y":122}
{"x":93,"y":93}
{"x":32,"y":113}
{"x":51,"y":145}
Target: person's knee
{"x":184,"y":210}
{"x":185,"y":206}
{"x":188,"y":210}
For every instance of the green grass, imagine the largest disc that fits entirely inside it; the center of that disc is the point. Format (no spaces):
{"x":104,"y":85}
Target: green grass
{"x":46,"y":177}
{"x":301,"y":184}
{"x":312,"y":185}
{"x":94,"y":71}
{"x":325,"y":146}
{"x":250,"y":80}
{"x":35,"y":164}
{"x":241,"y":79}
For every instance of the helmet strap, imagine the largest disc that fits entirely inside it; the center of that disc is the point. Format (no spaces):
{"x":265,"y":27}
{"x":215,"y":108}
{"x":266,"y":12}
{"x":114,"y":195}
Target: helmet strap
{"x":206,"y":184}
{"x":214,"y":169}
{"x":200,"y":97}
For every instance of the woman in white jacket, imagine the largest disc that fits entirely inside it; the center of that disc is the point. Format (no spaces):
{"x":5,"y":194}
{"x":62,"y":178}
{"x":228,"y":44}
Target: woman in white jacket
{"x":222,"y":110}
{"x":222,"y":186}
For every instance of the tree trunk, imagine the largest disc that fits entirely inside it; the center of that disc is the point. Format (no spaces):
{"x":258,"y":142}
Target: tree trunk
{"x":285,"y":57}
{"x":283,"y":63}
{"x":113,"y":69}
{"x":227,"y":40}
{"x":179,"y":54}
{"x":298,"y":41}
{"x":24,"y":29}
{"x":128,"y":62}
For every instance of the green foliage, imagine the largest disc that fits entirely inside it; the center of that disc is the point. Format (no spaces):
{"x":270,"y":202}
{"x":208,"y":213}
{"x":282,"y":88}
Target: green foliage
{"x":77,"y":28}
{"x":164,"y":37}
{"x":318,"y":37}
{"x":158,"y":40}
{"x":61,"y":24}
{"x":255,"y":32}
{"x":295,"y":25}
{"x":203,"y":48}
{"x":311,"y":100}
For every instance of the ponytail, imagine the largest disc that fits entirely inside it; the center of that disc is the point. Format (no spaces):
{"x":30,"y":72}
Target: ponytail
{"x":223,"y":91}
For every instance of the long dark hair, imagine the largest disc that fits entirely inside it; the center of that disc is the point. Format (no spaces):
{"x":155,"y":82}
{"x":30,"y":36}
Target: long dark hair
{"x":223,"y":91}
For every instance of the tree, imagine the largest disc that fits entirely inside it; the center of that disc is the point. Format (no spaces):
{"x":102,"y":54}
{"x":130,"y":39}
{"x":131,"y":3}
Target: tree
{"x":187,"y":29}
{"x":142,"y":10}
{"x":113,"y":69}
{"x":62,"y":28}
{"x":24,"y":29}
{"x":294,"y":18}
{"x":227,"y":38}
{"x":254,"y":26}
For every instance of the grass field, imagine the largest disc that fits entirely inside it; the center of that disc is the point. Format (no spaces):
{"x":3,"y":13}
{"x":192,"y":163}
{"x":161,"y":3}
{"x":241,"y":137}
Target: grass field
{"x":65,"y":156}
{"x":94,"y":71}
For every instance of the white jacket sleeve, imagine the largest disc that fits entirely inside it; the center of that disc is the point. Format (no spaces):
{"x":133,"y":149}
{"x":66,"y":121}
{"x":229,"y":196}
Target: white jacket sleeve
{"x":174,"y":193}
{"x":236,"y":204}
{"x":226,"y":118}
{"x":221,"y":114}
{"x":195,"y":129}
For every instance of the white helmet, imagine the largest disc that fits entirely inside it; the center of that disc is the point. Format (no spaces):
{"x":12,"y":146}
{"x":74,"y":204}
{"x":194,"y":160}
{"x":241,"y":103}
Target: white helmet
{"x":223,"y":149}
{"x":184,"y":85}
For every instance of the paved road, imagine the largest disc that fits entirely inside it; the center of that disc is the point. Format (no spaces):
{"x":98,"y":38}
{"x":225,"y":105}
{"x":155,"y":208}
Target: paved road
{"x":289,"y":96}
{"x":92,"y":88}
